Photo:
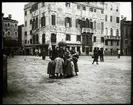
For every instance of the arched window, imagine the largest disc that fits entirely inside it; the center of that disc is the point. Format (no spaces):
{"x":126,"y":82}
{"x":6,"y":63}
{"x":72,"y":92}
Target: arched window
{"x":111,"y":32}
{"x":94,"y":38}
{"x":117,"y":32}
{"x":37,"y":39}
{"x":87,"y":23}
{"x":53,"y":38}
{"x":106,"y":31}
{"x":53,"y":19}
{"x":43,"y":38}
{"x":91,"y":24}
{"x":94,"y":24}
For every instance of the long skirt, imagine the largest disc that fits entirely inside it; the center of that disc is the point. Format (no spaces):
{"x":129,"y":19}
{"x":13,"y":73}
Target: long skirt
{"x":51,"y":67}
{"x":59,"y":65}
{"x":68,"y":68}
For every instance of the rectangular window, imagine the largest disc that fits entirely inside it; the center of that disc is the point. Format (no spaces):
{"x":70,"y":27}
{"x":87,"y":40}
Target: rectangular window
{"x":117,"y":20}
{"x":43,"y":21}
{"x":84,"y":8}
{"x":68,"y":22}
{"x":53,"y":19}
{"x":78,"y":37}
{"x":91,"y":25}
{"x":53,"y":38}
{"x":30,"y":41}
{"x":68,"y":38}
{"x":117,"y":43}
{"x":126,"y":41}
{"x":106,"y":18}
{"x":94,"y":38}
{"x":91,"y":9}
{"x":102,"y":39}
{"x":95,"y":10}
{"x":110,"y":18}
{"x":106,"y":42}
{"x":25,"y":33}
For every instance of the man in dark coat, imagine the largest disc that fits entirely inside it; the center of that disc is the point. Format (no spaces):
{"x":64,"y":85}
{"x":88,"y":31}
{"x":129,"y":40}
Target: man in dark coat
{"x":101,"y":55}
{"x":95,"y":56}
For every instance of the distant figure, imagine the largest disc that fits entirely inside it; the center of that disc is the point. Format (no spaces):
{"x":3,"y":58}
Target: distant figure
{"x":43,"y":54}
{"x":101,"y":55}
{"x":95,"y":56}
{"x":119,"y":53}
{"x":12,"y":52}
{"x":39,"y":51}
{"x":36,"y":51}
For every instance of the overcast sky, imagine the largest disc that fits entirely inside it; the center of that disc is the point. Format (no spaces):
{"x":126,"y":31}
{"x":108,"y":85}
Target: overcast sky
{"x":16,"y":9}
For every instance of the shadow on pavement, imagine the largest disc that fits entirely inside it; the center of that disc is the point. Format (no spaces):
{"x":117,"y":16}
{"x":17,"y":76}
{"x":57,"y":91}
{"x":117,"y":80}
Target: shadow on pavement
{"x":12,"y":91}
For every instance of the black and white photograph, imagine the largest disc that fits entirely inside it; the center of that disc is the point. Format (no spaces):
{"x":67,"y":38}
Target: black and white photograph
{"x":66,"y":52}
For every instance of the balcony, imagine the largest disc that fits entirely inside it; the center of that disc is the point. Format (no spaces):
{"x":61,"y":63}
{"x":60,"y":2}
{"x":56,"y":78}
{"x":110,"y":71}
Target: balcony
{"x":112,"y":37}
{"x":87,"y":30}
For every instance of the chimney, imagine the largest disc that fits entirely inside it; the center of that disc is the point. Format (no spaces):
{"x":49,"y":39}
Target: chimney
{"x":9,"y":16}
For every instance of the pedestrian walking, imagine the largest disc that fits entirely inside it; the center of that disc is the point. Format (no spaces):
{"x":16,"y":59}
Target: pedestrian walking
{"x":101,"y":55}
{"x":39,"y":51}
{"x":59,"y":63}
{"x":43,"y":54}
{"x":119,"y":53}
{"x":95,"y":56}
{"x":36,"y":51}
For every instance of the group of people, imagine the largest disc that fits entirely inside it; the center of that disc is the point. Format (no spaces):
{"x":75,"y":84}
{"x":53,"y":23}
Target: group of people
{"x":96,"y":55}
{"x":63,"y":63}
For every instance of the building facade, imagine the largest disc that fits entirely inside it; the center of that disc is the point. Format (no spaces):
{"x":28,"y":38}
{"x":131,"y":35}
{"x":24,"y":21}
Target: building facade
{"x":80,"y":24}
{"x":126,"y":37}
{"x":21,"y":31}
{"x":10,"y":33}
{"x":112,"y":28}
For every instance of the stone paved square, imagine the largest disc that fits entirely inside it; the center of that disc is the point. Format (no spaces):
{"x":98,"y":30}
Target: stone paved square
{"x":106,"y":83}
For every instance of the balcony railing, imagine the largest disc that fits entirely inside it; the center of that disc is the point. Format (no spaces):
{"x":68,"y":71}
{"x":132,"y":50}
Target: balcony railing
{"x":87,"y":30}
{"x":112,"y":37}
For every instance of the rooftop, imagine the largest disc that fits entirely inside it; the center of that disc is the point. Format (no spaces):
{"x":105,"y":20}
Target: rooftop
{"x":8,"y":19}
